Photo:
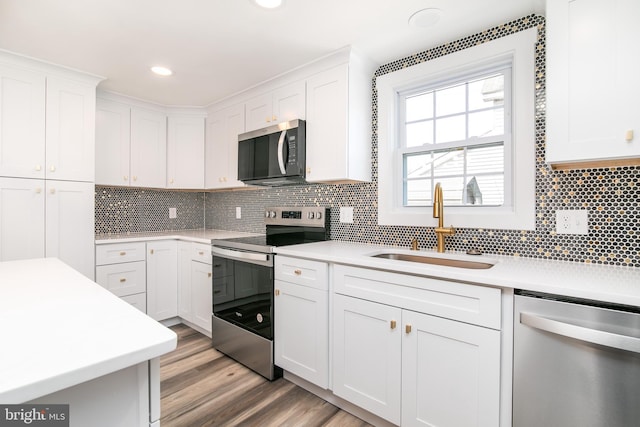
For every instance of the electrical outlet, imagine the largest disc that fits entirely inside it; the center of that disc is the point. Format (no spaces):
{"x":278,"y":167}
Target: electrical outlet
{"x":572,"y":221}
{"x":172,"y":213}
{"x":238,"y":212}
{"x":346,"y":214}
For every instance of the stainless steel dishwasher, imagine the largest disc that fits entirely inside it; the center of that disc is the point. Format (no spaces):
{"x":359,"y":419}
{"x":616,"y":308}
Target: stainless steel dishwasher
{"x":576,"y":362}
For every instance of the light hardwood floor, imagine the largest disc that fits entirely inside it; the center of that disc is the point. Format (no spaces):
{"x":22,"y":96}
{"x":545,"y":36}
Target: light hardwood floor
{"x":202,"y":387}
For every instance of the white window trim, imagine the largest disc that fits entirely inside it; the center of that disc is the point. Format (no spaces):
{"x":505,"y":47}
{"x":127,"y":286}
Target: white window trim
{"x":520,"y":48}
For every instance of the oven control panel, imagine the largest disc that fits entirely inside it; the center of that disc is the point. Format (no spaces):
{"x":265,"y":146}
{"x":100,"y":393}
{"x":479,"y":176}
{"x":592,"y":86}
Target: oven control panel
{"x":305,"y":216}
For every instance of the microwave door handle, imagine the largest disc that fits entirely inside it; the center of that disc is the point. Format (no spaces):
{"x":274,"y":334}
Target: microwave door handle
{"x":281,"y":152}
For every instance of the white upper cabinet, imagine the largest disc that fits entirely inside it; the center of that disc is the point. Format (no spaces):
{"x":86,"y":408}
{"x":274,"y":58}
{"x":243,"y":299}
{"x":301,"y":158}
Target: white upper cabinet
{"x":113,"y":141}
{"x":185,"y":152}
{"x":339,"y":123}
{"x":223,"y":128}
{"x":281,"y":105}
{"x":70,"y":130}
{"x":593,"y":116}
{"x":148,"y":148}
{"x":22,"y":115}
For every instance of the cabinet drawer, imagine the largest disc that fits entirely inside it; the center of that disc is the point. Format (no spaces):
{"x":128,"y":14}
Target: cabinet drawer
{"x":123,"y":279}
{"x":201,"y":253}
{"x":477,"y":305}
{"x":139,"y":301}
{"x":120,"y":252}
{"x":302,"y":272}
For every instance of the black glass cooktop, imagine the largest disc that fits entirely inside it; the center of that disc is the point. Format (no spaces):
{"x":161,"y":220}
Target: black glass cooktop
{"x":276,"y":236}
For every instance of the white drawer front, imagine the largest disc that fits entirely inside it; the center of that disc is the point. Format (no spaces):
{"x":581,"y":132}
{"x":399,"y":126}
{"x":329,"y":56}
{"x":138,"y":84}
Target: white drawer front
{"x":201,"y":253}
{"x":120,"y":252}
{"x":477,"y":305}
{"x":302,"y":272}
{"x":139,"y":301}
{"x":123,"y":279}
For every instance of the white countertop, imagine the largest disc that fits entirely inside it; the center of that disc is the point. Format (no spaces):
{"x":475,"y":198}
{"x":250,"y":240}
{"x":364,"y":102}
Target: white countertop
{"x":598,"y":282}
{"x":199,"y":236}
{"x":60,"y":329}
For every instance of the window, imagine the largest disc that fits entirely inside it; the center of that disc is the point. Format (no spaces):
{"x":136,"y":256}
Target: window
{"x":465,"y":120}
{"x":456,"y":134}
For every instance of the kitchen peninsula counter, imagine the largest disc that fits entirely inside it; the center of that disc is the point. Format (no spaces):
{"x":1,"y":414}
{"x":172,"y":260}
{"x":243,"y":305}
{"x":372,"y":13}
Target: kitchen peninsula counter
{"x":60,"y":331}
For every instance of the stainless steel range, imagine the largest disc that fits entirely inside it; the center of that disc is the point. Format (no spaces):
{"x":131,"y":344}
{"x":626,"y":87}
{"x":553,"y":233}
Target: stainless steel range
{"x":242,"y":320}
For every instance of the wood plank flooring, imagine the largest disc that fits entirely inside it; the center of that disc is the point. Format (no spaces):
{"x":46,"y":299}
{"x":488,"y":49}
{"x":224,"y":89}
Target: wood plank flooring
{"x":202,"y":387}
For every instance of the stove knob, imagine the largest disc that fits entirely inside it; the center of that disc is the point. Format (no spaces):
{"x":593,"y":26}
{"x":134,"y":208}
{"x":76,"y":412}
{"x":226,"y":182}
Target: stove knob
{"x":272,"y":214}
{"x":310,"y":215}
{"x":266,"y":214}
{"x":318,"y":215}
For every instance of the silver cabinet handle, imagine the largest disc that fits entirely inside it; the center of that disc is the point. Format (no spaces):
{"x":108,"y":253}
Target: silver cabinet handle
{"x":594,"y":336}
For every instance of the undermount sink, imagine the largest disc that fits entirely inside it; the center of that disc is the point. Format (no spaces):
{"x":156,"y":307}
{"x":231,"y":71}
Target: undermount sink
{"x":425,"y":259}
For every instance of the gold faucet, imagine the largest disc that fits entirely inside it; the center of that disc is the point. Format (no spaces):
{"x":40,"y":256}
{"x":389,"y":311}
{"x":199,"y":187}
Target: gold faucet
{"x":438,"y":212}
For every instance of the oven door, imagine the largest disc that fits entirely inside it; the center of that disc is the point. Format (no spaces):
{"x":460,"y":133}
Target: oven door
{"x":243,"y":289}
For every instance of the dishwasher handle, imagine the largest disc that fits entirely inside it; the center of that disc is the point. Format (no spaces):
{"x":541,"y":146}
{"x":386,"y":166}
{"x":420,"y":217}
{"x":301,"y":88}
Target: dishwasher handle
{"x":594,"y":336}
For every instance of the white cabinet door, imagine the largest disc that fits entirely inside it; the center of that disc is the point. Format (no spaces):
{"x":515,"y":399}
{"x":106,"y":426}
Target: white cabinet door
{"x":162,"y":279}
{"x":301,"y":337}
{"x":185,"y":309}
{"x":22,"y":211}
{"x":327,"y":133}
{"x":70,"y":233}
{"x":289,"y":102}
{"x":113,"y":139}
{"x":148,"y":148}
{"x":367,"y":355}
{"x":281,"y":105}
{"x":201,"y":288}
{"x":259,"y":112}
{"x":70,"y":130}
{"x":185,"y":152}
{"x":450,"y":373}
{"x":592,"y":80}
{"x":22,"y":122}
{"x":223,"y":128}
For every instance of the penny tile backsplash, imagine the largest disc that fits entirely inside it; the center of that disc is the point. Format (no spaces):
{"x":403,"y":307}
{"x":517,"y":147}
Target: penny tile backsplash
{"x":611,"y":195}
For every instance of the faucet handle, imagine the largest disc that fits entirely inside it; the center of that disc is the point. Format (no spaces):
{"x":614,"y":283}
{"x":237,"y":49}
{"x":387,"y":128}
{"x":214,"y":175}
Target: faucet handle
{"x":414,"y":244}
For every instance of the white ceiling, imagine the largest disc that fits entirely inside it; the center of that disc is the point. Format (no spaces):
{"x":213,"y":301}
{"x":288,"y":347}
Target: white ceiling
{"x":219,"y":47}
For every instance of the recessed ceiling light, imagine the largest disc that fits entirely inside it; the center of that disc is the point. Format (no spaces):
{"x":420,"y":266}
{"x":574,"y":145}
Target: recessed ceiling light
{"x":162,"y":71}
{"x":425,"y":18}
{"x":268,"y":4}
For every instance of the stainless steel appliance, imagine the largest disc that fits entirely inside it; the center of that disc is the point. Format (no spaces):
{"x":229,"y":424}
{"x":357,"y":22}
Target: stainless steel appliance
{"x":576,"y":362}
{"x":242,"y":320}
{"x":273,"y":156}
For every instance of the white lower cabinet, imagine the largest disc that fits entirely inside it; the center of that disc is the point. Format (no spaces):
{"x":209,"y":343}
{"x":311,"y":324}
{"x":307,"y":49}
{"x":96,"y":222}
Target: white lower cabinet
{"x":121,"y":268}
{"x":301,"y":305}
{"x":450,"y":373}
{"x":409,"y":367}
{"x":195,"y":284}
{"x":162,"y":279}
{"x":367,"y":355}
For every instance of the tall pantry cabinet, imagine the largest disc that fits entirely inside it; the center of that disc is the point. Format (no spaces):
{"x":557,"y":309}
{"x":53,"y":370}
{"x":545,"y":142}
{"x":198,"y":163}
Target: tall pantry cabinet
{"x":47,"y":122}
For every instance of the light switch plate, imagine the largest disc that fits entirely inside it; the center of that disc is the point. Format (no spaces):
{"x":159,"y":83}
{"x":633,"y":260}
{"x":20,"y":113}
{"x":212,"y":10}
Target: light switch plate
{"x":346,"y":214}
{"x":238,"y":212}
{"x":172,"y":213}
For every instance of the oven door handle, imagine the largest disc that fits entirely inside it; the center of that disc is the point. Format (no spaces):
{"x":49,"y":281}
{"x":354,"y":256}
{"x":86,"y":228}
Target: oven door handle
{"x":247,"y":256}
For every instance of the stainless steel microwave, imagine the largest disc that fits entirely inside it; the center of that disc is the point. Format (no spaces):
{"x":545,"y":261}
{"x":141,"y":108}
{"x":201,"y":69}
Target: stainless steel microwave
{"x":273,"y":156}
